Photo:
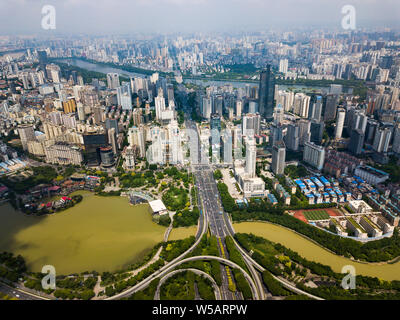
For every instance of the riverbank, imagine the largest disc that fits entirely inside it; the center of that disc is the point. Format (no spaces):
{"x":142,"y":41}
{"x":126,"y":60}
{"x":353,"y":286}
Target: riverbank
{"x":312,"y":251}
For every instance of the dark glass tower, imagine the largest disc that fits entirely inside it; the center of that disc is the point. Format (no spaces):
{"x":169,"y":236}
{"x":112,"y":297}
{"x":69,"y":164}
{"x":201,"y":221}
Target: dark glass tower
{"x":266,"y":94}
{"x":356,"y":141}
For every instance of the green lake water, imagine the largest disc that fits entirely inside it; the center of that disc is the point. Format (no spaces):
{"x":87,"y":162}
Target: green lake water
{"x":314,"y":252}
{"x":100,"y":233}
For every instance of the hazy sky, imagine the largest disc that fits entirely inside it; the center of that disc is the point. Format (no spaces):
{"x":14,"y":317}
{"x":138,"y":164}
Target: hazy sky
{"x":126,"y":16}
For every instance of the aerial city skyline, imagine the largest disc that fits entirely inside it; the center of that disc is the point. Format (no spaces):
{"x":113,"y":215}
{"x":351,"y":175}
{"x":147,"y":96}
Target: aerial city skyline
{"x":198,"y":150}
{"x":165,"y":16}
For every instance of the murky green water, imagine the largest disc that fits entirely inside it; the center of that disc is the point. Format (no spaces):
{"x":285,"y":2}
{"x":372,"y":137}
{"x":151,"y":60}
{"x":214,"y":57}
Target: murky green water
{"x":100,"y":233}
{"x":311,"y":251}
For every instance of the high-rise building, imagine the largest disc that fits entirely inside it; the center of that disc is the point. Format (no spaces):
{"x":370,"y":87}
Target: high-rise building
{"x":42,"y":55}
{"x":26,"y":134}
{"x":124,"y":96}
{"x":301,"y":104}
{"x":279,"y":114}
{"x":112,"y":123}
{"x":218,"y":103}
{"x":112,"y":140}
{"x":69,"y":106}
{"x":396,"y":140}
{"x":159,"y":105}
{"x":112,"y":80}
{"x":106,"y":156}
{"x":206,"y":107}
{"x":251,"y":158}
{"x":81,"y":112}
{"x":278,"y":158}
{"x":253,"y":106}
{"x":330,"y":102}
{"x":98,"y":113}
{"x":215,"y":122}
{"x":317,"y":131}
{"x":304,"y":131}
{"x":356,"y":141}
{"x":53,"y":73}
{"x":314,"y":113}
{"x":292,"y":138}
{"x":239,"y":108}
{"x":129,"y":157}
{"x":276,"y":134}
{"x":170,"y":93}
{"x":62,"y":153}
{"x":215,"y":127}
{"x":372,"y":127}
{"x":69,"y":120}
{"x":266,"y":94}
{"x":226,"y":146}
{"x":55,"y":117}
{"x":251,"y":124}
{"x":136,"y":137}
{"x":382,"y":139}
{"x":340,"y":123}
{"x":314,"y":155}
{"x":283,"y":65}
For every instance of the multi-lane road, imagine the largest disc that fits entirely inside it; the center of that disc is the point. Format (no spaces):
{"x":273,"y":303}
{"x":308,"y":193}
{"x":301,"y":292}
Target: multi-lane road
{"x":208,"y":191}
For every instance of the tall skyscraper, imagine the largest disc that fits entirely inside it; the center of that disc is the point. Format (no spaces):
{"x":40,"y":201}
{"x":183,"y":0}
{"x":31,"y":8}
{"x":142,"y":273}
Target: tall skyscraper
{"x":251,"y":158}
{"x":396,"y":139}
{"x":266,"y":94}
{"x":304,"y":131}
{"x":330,"y":103}
{"x":124,"y":96}
{"x":292,"y":138}
{"x":136,"y":137}
{"x":278,"y":158}
{"x":239,"y":108}
{"x":215,"y":126}
{"x":206,"y":107}
{"x":159,"y":105}
{"x":251,"y":124}
{"x":314,"y":155}
{"x":226,"y":146}
{"x":26,"y":134}
{"x":340,"y":123}
{"x":42,"y":55}
{"x":356,"y":141}
{"x":382,"y":139}
{"x":112,"y":123}
{"x":112,"y":80}
{"x":69,"y":106}
{"x":98,"y":114}
{"x":283,"y":65}
{"x":253,"y":106}
{"x":218,"y":103}
{"x":53,"y":73}
{"x":317,"y":131}
{"x":314,"y":113}
{"x":276,"y":134}
{"x":112,"y":140}
{"x":81,"y":111}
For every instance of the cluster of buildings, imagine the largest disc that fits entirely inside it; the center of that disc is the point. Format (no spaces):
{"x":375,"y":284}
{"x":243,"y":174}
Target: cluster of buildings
{"x":10,"y":162}
{"x":319,"y":190}
{"x":63,"y":120}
